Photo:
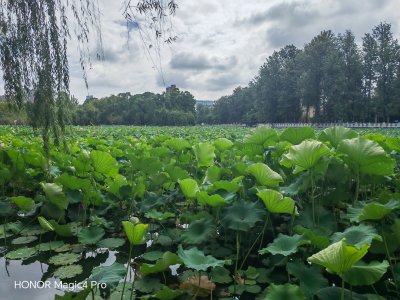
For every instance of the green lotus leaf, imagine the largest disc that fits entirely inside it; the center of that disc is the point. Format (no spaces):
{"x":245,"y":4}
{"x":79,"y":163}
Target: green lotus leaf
{"x":223,"y":144}
{"x":24,"y":203}
{"x":393,"y":143}
{"x":73,"y":182}
{"x":82,"y":295}
{"x":311,"y":279}
{"x":152,"y":255}
{"x":65,"y":230}
{"x":362,"y":273}
{"x":115,"y":184}
{"x":66,"y":272}
{"x":213,"y":174}
{"x":161,"y":265}
{"x":177,"y":144}
{"x":189,"y":187}
{"x":195,"y":259}
{"x":371,"y":211}
{"x":32,"y":230}
{"x":339,"y":257}
{"x":135,"y":233}
{"x":285,"y":245}
{"x":45,"y":224}
{"x":358,"y":235}
{"x":50,"y":246}
{"x":276,"y":203}
{"x":5,"y":208}
{"x":176,"y":173}
{"x":366,"y":157}
{"x":335,"y":135}
{"x":220,"y":275}
{"x":305,"y":155}
{"x":90,"y":235}
{"x":64,"y":259}
{"x":225,"y":185}
{"x":165,"y":293}
{"x":116,"y":294}
{"x":214,"y":200}
{"x":104,"y":163}
{"x":297,"y":135}
{"x":147,"y":285}
{"x":159,"y":216}
{"x":316,"y":236}
{"x":204,"y":153}
{"x":111,"y":243}
{"x":284,"y":292}
{"x":110,"y":275}
{"x":242,"y":215}
{"x":260,"y":135}
{"x":264,"y":175}
{"x":23,"y":240}
{"x":21,"y":253}
{"x":199,"y":231}
{"x":55,"y":195}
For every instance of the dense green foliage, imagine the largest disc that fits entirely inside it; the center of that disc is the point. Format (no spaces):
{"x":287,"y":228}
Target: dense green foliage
{"x":332,"y":79}
{"x":242,"y":212}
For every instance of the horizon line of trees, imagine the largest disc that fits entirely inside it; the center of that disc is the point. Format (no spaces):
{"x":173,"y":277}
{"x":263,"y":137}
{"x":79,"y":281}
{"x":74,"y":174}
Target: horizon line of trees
{"x":332,"y":79}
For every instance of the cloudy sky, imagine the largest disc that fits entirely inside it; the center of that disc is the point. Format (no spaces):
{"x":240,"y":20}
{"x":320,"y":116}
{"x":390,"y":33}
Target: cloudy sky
{"x":221,"y":44}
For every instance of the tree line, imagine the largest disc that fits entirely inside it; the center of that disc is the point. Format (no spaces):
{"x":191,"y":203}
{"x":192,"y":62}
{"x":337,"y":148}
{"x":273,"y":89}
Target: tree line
{"x":332,"y":79}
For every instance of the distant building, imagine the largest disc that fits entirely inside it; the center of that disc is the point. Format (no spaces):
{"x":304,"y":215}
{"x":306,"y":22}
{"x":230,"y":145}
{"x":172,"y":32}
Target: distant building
{"x":208,"y":103}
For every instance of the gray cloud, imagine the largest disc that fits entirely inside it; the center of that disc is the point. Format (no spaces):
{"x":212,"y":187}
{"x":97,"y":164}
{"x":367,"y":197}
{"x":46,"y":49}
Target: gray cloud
{"x":189,"y":61}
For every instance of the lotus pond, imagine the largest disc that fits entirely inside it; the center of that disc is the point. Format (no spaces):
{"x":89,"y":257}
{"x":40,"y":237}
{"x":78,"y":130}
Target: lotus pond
{"x":201,"y":213}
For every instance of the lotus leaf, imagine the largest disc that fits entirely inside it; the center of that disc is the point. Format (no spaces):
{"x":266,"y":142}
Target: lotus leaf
{"x":358,"y":235}
{"x":24,"y":240}
{"x":297,"y":135}
{"x":195,"y":259}
{"x":223,"y":144}
{"x":362,"y":273}
{"x":161,"y":265}
{"x":199,"y":231}
{"x":135,"y":233}
{"x":104,"y":163}
{"x":261,"y":135}
{"x":21,"y":253}
{"x":90,"y":235}
{"x":189,"y":187}
{"x":204,"y":153}
{"x":285,"y":245}
{"x":55,"y":195}
{"x":64,"y":259}
{"x":24,"y":203}
{"x":214,"y":200}
{"x":264,"y":175}
{"x":284,"y":292}
{"x":335,"y":135}
{"x":110,"y":275}
{"x":242,"y":215}
{"x":276,"y":203}
{"x":70,"y":271}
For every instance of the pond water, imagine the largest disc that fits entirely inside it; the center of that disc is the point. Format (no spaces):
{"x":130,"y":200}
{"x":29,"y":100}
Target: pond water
{"x":13,"y":272}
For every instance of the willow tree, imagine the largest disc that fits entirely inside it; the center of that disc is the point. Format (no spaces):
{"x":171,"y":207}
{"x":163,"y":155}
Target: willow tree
{"x":34,"y":36}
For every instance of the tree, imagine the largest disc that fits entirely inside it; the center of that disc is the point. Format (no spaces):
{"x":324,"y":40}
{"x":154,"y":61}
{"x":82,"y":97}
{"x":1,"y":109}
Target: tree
{"x":34,"y":37}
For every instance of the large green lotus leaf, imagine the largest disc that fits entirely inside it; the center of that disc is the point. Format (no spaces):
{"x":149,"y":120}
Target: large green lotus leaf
{"x":161,"y":265}
{"x":371,"y":211}
{"x":90,"y":235}
{"x":73,"y":182}
{"x":115,"y":184}
{"x":260,"y":135}
{"x":21,"y":253}
{"x":189,"y":187}
{"x":220,"y":275}
{"x":366,"y":274}
{"x":358,"y":235}
{"x":284,"y":292}
{"x":297,"y":135}
{"x":223,"y":144}
{"x":158,"y":215}
{"x":176,"y":173}
{"x":311,"y":279}
{"x":393,"y":143}
{"x":6,"y":209}
{"x":135,"y":232}
{"x":199,"y":231}
{"x":276,"y":203}
{"x":335,"y":135}
{"x":165,"y":293}
{"x":24,"y":203}
{"x":204,"y":154}
{"x":213,"y":174}
{"x":82,"y":295}
{"x":285,"y":245}
{"x":195,"y":259}
{"x":147,"y":285}
{"x":339,"y":257}
{"x":264,"y":175}
{"x":70,"y":271}
{"x":45,"y":224}
{"x":23,"y":240}
{"x":366,"y":156}
{"x":50,"y":246}
{"x":305,"y":155}
{"x":111,"y":243}
{"x":330,"y":293}
{"x":214,"y":200}
{"x":177,"y":144}
{"x":65,"y":230}
{"x":55,"y":195}
{"x":316,"y":236}
{"x":242,"y":215}
{"x":152,"y":255}
{"x":64,"y":259}
{"x":229,"y":186}
{"x":104,"y":163}
{"x":110,"y":275}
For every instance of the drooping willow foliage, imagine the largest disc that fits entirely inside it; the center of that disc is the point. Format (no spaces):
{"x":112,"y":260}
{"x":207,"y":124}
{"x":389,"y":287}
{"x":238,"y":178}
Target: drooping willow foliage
{"x":33,"y":52}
